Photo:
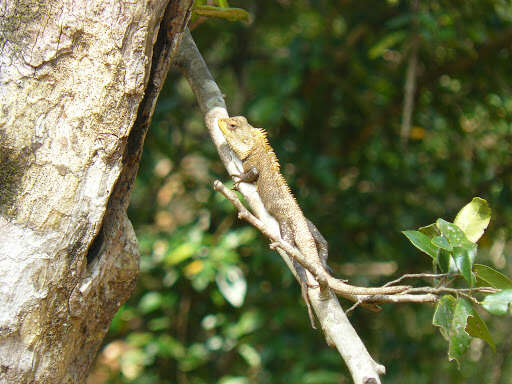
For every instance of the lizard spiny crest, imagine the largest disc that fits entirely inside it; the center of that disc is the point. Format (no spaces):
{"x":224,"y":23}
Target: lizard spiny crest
{"x":263,"y":136}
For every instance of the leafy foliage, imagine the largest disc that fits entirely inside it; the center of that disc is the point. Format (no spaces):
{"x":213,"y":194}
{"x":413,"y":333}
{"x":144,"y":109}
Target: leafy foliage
{"x":456,"y":317}
{"x":326,"y":79}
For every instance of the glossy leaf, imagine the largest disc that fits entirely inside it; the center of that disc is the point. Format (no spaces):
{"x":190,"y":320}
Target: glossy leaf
{"x":455,"y":236}
{"x":499,"y":303}
{"x":459,"y":338}
{"x":451,"y":316}
{"x":445,"y":262}
{"x":422,"y":242}
{"x":474,"y":218}
{"x":464,"y":264}
{"x":441,"y":242}
{"x":476,"y":327}
{"x":430,"y":230}
{"x":492,"y":277}
{"x":443,"y":315}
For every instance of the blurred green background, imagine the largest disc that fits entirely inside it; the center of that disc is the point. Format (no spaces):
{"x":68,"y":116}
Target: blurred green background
{"x":326,"y":78}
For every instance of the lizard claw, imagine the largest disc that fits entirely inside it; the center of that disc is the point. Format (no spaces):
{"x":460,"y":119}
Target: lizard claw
{"x":237,"y":179}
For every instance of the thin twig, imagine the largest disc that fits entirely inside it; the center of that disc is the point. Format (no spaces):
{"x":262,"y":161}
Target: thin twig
{"x":399,"y":298}
{"x":354,"y":306}
{"x":469,"y":297}
{"x":416,"y":276}
{"x":454,"y":291}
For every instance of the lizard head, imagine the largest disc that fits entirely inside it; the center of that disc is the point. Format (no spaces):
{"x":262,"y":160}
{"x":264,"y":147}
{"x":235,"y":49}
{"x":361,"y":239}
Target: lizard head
{"x":240,"y":135}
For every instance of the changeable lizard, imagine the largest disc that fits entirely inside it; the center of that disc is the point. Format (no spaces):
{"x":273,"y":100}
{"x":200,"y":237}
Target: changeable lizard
{"x":260,"y":165}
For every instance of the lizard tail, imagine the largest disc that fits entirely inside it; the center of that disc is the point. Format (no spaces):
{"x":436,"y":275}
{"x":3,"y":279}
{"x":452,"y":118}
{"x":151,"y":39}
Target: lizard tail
{"x":341,"y":288}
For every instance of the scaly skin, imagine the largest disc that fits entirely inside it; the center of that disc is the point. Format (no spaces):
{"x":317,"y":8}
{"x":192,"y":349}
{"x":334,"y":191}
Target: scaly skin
{"x":261,"y":166}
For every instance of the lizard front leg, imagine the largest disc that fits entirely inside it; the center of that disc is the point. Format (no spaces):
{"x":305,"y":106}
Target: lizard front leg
{"x":249,"y":176}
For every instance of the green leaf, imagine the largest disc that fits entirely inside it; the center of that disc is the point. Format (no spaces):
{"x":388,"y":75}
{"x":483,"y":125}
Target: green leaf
{"x":443,"y":315}
{"x":247,"y":323}
{"x":195,"y":355}
{"x":159,"y":324}
{"x":386,"y":43}
{"x":464,"y":264}
{"x":451,"y":316}
{"x":499,"y":303}
{"x":231,"y":14}
{"x":472,"y":254}
{"x":455,"y":236}
{"x":445,"y":262}
{"x":459,"y":338}
{"x":429,"y":230}
{"x":492,"y":277}
{"x":474,"y":218}
{"x":422,"y":242}
{"x":232,"y":285}
{"x":170,"y":347}
{"x":151,"y":301}
{"x":181,"y":253}
{"x":250,"y":355}
{"x":476,"y":327}
{"x":441,"y":242}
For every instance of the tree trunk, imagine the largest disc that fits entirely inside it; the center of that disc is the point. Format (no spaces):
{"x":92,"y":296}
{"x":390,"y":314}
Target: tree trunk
{"x":78,"y":83}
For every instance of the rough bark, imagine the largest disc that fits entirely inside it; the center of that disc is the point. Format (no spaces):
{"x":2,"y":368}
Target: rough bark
{"x":78,"y":85}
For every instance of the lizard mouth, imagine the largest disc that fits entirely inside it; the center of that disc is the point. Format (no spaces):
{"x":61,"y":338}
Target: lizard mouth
{"x":223,"y":125}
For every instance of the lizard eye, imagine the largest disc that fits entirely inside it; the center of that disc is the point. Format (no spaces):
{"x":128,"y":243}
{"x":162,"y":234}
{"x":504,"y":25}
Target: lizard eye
{"x":232,"y":126}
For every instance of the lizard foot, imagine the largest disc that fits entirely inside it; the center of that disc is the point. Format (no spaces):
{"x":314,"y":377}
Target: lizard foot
{"x":247,"y":177}
{"x":237,"y":179}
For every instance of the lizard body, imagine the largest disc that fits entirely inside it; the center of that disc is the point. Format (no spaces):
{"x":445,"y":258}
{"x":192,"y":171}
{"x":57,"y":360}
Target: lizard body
{"x":260,"y":165}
